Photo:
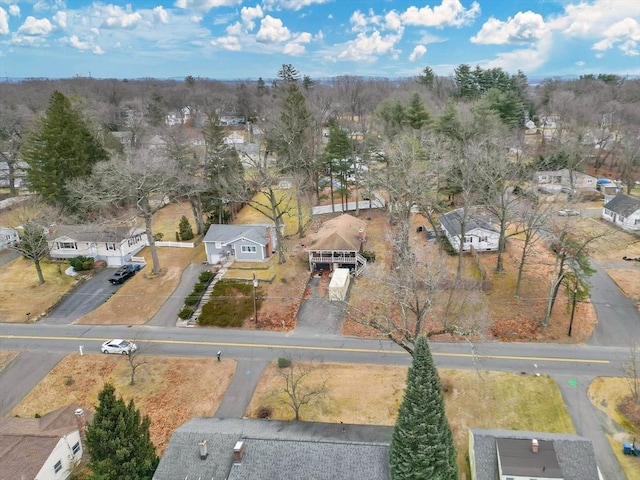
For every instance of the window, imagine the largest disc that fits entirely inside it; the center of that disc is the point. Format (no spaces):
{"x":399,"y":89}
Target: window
{"x":483,"y":239}
{"x":636,"y":221}
{"x":67,"y":245}
{"x":58,"y":466}
{"x":248,"y":249}
{"x":76,"y":448}
{"x":111,"y":246}
{"x":468,"y":239}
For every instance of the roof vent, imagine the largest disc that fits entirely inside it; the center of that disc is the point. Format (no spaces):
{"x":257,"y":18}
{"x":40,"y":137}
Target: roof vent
{"x":202,"y":445}
{"x":534,"y":445}
{"x":238,"y":451}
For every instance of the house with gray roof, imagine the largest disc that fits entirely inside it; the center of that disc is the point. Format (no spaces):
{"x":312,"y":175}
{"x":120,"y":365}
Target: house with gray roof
{"x":243,"y":449}
{"x":246,"y":243}
{"x":45,"y":448}
{"x":473,"y":231}
{"x":511,"y":455}
{"x":623,"y":211}
{"x":8,"y":237}
{"x":116,"y":245}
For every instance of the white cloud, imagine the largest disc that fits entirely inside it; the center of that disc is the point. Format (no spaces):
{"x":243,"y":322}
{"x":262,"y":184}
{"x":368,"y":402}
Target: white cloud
{"x":161,"y":14}
{"x":36,"y":26}
{"x":75,"y":42}
{"x":249,"y":14}
{"x":358,"y":21}
{"x":117,"y":17}
{"x":626,"y":33}
{"x":97,"y":50}
{"x":524,"y":27}
{"x":531,"y":58}
{"x":418,"y":52}
{"x":195,"y":18}
{"x":228,"y":43}
{"x":205,"y":5}
{"x":272,"y":31}
{"x":14,"y":10}
{"x":366,"y":47}
{"x":235,"y":29}
{"x":95,"y":31}
{"x":392,"y":21}
{"x":293,"y":48}
{"x":590,"y":19}
{"x":450,"y":13}
{"x":61,"y":19}
{"x":579,"y":63}
{"x":4,"y":22}
{"x":294,"y":5}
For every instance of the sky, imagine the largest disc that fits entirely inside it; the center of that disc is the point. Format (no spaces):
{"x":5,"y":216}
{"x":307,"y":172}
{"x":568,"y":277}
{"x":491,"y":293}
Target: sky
{"x":240,"y":39}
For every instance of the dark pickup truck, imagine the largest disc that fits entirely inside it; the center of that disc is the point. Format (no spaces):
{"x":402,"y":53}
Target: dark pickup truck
{"x":122,"y":275}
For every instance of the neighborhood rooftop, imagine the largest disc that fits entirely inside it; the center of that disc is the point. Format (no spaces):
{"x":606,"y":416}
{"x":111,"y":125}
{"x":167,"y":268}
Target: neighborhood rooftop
{"x":623,"y":205}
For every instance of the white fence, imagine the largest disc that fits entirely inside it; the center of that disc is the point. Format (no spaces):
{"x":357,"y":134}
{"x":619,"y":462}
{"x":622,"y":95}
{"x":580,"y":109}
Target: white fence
{"x":175,"y":244}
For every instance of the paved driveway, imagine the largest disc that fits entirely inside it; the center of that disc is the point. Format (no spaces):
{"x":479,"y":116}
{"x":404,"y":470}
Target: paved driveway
{"x":83,"y":299}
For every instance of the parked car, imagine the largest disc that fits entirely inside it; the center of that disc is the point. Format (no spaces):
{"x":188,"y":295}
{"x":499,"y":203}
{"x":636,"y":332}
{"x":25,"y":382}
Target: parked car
{"x":567,"y":190}
{"x":123,"y":274}
{"x":568,"y":213}
{"x":544,"y":190}
{"x":118,"y":345}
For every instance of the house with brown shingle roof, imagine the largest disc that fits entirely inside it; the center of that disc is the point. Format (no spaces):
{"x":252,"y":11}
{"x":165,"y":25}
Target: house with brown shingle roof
{"x":339,"y":243}
{"x":43,"y":448}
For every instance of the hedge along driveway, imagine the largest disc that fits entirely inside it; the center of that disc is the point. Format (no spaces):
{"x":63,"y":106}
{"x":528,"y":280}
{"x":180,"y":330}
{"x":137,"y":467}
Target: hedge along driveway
{"x":142,"y":296}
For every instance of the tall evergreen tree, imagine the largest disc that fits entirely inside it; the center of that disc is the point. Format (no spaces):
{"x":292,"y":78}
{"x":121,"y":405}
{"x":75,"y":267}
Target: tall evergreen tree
{"x":417,"y":115}
{"x":422,"y":443}
{"x":61,"y":148}
{"x":118,"y":440}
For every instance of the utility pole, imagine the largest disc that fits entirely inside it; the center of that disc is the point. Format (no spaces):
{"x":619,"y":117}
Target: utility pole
{"x":255,"y":286}
{"x":573,"y":310}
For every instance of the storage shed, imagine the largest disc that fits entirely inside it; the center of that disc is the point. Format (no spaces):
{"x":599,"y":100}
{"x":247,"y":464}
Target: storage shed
{"x":339,"y":284}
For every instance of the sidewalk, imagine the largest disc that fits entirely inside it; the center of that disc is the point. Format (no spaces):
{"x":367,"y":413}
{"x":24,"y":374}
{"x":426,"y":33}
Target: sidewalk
{"x":240,"y":392}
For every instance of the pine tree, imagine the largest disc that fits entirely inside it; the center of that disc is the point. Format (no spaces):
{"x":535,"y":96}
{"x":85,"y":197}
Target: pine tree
{"x":184,"y":229}
{"x":416,"y":114}
{"x":118,"y":440}
{"x":422,"y":443}
{"x":61,"y":148}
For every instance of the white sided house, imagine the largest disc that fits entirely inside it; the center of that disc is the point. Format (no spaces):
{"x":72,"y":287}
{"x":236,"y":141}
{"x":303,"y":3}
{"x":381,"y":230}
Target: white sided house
{"x":44,"y":448}
{"x":246,"y":243}
{"x":114,"y":245}
{"x":623,"y":211}
{"x":478,"y":233}
{"x":565,"y":178}
{"x":8,"y":237}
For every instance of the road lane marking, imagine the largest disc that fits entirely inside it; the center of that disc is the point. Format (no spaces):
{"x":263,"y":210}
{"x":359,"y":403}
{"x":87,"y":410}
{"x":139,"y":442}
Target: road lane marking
{"x":312,"y":348}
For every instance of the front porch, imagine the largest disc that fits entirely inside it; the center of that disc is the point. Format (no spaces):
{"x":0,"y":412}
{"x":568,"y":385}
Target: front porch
{"x":332,"y":259}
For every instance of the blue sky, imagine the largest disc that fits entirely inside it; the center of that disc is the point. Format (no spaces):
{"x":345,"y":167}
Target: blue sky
{"x":231,"y":39}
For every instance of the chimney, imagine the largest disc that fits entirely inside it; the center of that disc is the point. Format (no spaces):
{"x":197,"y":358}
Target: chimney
{"x":202,"y":445}
{"x":238,"y":451}
{"x":534,"y":445}
{"x":81,"y":421}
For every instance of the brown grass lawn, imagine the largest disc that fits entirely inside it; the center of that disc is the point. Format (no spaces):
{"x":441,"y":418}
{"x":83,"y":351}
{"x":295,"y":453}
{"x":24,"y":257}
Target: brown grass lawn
{"x":167,"y":220}
{"x":169,"y":390}
{"x":606,"y":393}
{"x":21,"y":293}
{"x":143,"y":295}
{"x":368,"y":394}
{"x":5,"y":358}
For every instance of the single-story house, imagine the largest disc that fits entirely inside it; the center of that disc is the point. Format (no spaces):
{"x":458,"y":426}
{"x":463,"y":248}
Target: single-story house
{"x":339,"y":243}
{"x":114,"y":245}
{"x":247,"y":243}
{"x":240,"y":449}
{"x":512,"y":455}
{"x":562,"y":178}
{"x":623,"y":211}
{"x":8,"y":236}
{"x":478,"y":233}
{"x":43,"y":448}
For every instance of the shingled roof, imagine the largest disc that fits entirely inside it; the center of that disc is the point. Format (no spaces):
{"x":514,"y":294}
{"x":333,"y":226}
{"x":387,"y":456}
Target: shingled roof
{"x":339,"y":233}
{"x":93,"y":233}
{"x":574,"y":455}
{"x":230,"y":233}
{"x":452,"y":223}
{"x":26,"y":443}
{"x":275,"y":449}
{"x":623,"y":205}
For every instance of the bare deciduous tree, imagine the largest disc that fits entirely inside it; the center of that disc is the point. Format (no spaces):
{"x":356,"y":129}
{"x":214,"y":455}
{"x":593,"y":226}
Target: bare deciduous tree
{"x":299,"y":391}
{"x":632,"y":371}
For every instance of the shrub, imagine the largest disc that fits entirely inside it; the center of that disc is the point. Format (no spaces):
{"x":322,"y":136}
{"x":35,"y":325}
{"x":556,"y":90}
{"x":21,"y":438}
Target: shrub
{"x":184,"y":229}
{"x":284,"y":362}
{"x":157,"y":237}
{"x":199,"y":288}
{"x":185,"y":313}
{"x":81,"y":263}
{"x":205,"y":277}
{"x":37,"y":415}
{"x":446,"y":245}
{"x":191,"y":300}
{"x":264,"y":412}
